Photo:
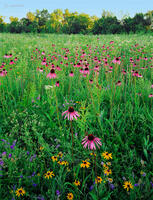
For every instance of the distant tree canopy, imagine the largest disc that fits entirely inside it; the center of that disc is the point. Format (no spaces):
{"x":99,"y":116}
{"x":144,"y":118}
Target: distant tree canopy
{"x":74,"y":23}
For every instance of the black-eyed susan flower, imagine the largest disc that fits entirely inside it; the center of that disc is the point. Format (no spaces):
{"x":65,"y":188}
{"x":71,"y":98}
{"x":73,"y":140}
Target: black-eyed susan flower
{"x":20,"y":191}
{"x":60,"y":154}
{"x":85,"y":163}
{"x":69,"y":196}
{"x":98,"y":180}
{"x":105,"y":166}
{"x":93,"y":154}
{"x":107,"y":155}
{"x":54,"y":158}
{"x":107,"y":171}
{"x":77,"y":182}
{"x":60,"y":162}
{"x":65,"y":163}
{"x":49,"y":174}
{"x":128,"y":185}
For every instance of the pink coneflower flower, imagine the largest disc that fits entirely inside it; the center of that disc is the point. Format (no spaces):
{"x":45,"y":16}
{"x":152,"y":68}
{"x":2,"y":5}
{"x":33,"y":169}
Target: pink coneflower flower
{"x":15,"y":59}
{"x":86,"y":70}
{"x":57,"y":84}
{"x":96,"y":67}
{"x":70,"y":113}
{"x":118,"y":83}
{"x":51,"y":74}
{"x":151,"y":86}
{"x":6,"y":56}
{"x":41,"y":69}
{"x":3,"y":72}
{"x":71,"y":74}
{"x":65,"y":57}
{"x":91,"y":81}
{"x":58,"y":68}
{"x":43,"y":62}
{"x":117,"y":60}
{"x":150,"y":95}
{"x":11,"y":62}
{"x":90,"y":141}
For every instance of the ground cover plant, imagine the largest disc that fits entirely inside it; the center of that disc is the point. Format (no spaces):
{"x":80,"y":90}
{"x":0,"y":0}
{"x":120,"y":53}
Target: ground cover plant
{"x":76,"y":117}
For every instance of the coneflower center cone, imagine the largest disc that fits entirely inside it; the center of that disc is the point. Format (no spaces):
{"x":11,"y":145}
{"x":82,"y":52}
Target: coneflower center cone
{"x":71,"y":109}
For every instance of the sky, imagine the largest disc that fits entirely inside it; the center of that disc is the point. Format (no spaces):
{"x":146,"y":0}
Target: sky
{"x":19,"y":8}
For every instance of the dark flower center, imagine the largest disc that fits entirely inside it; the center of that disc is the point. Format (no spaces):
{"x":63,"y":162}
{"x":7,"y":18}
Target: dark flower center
{"x":71,"y":109}
{"x":20,"y":191}
{"x":91,"y":137}
{"x":52,"y":71}
{"x":86,"y":69}
{"x":117,"y":58}
{"x":57,"y":82}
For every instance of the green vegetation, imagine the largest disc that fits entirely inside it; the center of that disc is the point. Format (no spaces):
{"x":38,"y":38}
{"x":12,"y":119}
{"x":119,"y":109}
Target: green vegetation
{"x":108,"y":80}
{"x":73,"y":23}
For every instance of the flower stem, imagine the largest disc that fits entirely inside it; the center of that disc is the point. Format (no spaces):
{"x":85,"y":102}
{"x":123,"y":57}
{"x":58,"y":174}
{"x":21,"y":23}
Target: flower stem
{"x":72,"y":144}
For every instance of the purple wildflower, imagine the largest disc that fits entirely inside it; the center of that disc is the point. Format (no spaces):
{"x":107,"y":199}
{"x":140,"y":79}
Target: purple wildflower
{"x":112,"y":187}
{"x":57,"y":192}
{"x":1,"y":162}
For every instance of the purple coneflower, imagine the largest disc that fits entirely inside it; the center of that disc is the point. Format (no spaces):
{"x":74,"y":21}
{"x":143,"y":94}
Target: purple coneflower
{"x":51,"y":74}
{"x":90,"y":141}
{"x":70,"y":113}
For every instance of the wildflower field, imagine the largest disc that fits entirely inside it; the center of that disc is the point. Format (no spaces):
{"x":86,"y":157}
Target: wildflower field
{"x":76,"y":118}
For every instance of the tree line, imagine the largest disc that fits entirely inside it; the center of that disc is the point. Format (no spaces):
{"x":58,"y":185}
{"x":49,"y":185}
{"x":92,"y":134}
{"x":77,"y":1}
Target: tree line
{"x":68,"y":22}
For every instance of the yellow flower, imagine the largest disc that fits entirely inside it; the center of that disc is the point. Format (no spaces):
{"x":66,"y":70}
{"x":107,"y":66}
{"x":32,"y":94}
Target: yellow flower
{"x":105,"y":166}
{"x":108,"y":163}
{"x":110,"y":180}
{"x":107,"y":155}
{"x":65,"y":163}
{"x":60,"y":162}
{"x":69,"y":196}
{"x":38,"y":174}
{"x":127,"y":185}
{"x":41,"y":148}
{"x":107,"y":171}
{"x":85,"y":163}
{"x":93,"y":154}
{"x":98,"y":179}
{"x":54,"y":158}
{"x":77,"y":182}
{"x":20,"y":191}
{"x":82,"y":108}
{"x":60,"y":154}
{"x":49,"y":174}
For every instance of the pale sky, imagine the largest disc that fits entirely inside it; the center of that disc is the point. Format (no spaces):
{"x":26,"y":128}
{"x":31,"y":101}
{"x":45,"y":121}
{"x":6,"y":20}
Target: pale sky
{"x":19,"y":8}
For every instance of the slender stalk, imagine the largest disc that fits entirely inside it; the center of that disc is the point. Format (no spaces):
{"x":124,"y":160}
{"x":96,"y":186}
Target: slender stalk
{"x":72,"y":144}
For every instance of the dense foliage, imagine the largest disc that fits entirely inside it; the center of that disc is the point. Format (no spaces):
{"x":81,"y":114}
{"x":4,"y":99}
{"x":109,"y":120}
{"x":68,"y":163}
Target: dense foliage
{"x":73,"y":23}
{"x":108,"y":81}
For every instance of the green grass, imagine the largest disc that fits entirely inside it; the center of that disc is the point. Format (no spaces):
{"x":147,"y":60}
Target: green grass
{"x":31,"y":117}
